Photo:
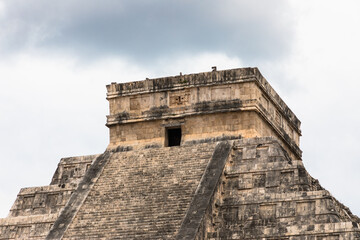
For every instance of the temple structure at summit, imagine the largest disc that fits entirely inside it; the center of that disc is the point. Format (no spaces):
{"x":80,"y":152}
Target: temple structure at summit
{"x":204,"y":156}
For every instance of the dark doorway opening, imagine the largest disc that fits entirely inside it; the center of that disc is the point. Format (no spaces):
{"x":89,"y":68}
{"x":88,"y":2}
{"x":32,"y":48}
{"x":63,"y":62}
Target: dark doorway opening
{"x":173,"y":136}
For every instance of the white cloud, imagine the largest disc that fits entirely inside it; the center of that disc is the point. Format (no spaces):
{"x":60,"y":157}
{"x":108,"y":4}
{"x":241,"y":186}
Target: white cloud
{"x":324,"y":65}
{"x":2,"y":9}
{"x":196,"y":63}
{"x":52,"y":100}
{"x":145,"y":31}
{"x":53,"y":106}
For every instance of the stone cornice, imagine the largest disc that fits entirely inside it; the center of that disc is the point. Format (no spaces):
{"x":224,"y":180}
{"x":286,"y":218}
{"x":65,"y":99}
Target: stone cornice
{"x":180,"y":82}
{"x":206,"y":108}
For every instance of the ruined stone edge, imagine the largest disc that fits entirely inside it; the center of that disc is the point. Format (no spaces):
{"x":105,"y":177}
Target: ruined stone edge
{"x":204,"y":192}
{"x":78,"y":197}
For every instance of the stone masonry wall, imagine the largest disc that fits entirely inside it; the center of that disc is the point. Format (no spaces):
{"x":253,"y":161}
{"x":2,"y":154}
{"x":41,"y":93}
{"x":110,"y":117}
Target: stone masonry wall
{"x":247,"y":124}
{"x":142,"y":194}
{"x":237,"y":173}
{"x":264,"y":194}
{"x":179,"y":87}
{"x":190,"y":97}
{"x":36,"y":208}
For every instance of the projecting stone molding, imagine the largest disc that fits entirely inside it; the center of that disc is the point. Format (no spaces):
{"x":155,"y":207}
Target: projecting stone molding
{"x":205,"y":156}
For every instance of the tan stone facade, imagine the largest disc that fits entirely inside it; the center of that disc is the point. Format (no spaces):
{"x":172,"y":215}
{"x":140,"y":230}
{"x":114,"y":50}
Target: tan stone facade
{"x":264,"y":194}
{"x":36,"y":208}
{"x":237,"y":102}
{"x":206,"y":156}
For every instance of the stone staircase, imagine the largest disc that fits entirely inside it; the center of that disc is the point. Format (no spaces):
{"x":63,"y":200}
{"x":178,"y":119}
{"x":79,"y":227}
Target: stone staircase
{"x":36,"y":208}
{"x":142,"y":194}
{"x":240,"y":189}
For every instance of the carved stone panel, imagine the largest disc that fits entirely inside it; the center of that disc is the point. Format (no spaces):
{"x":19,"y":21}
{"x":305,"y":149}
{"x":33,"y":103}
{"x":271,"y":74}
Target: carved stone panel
{"x":249,"y":152}
{"x":264,"y":102}
{"x":287,"y":179}
{"x":179,"y":98}
{"x":286,"y":209}
{"x":259,"y":180}
{"x":140,"y":102}
{"x":51,"y":200}
{"x":305,"y":208}
{"x":23,"y":231}
{"x":245,"y":181}
{"x":267,"y":211}
{"x":220,"y":93}
{"x":247,"y":212}
{"x":27,"y":202}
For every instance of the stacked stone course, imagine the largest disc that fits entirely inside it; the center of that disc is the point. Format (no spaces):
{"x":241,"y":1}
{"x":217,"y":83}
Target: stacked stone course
{"x":230,"y":102}
{"x":36,"y":208}
{"x":141,"y":194}
{"x":263,"y":194}
{"x":234,"y":173}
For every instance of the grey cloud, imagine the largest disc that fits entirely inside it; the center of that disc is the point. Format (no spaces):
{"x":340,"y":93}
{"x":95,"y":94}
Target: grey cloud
{"x":147,"y":30}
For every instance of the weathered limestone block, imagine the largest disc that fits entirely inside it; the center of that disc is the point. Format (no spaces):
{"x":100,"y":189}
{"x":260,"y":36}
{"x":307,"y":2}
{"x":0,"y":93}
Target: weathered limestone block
{"x":36,"y":208}
{"x":40,"y":200}
{"x":146,"y":194}
{"x":202,"y":156}
{"x":291,"y":206}
{"x":71,"y":170}
{"x":237,"y":102}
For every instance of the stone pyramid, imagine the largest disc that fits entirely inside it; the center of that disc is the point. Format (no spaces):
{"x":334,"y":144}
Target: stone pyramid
{"x":210,"y":156}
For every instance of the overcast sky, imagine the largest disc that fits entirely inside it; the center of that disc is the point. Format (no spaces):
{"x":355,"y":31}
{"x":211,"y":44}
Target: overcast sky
{"x":57,"y":56}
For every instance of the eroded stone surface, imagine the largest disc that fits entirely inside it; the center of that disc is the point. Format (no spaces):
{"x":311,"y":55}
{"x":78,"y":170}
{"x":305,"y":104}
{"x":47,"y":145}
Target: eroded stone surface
{"x":263,"y":194}
{"x":36,"y":208}
{"x":236,"y":102}
{"x":236,"y":174}
{"x":142,"y":194}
